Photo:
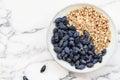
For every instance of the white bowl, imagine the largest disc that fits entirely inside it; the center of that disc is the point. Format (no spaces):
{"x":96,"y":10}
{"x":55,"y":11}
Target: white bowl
{"x":110,"y":50}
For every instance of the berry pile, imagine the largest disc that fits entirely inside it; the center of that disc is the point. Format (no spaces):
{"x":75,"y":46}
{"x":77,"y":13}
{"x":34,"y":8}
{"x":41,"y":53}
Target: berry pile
{"x":74,"y":48}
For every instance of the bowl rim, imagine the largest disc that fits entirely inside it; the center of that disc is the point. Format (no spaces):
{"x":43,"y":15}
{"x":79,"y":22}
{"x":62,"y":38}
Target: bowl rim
{"x":86,"y":4}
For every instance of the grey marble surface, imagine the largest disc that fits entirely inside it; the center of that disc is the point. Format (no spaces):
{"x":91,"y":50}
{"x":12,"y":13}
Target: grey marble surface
{"x":23,"y":48}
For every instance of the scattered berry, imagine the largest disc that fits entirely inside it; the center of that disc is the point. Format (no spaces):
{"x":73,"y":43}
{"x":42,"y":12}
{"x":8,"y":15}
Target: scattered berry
{"x":25,"y":78}
{"x":43,"y":68}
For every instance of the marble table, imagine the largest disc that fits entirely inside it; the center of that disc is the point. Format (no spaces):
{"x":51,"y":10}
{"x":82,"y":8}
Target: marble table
{"x":23,"y":49}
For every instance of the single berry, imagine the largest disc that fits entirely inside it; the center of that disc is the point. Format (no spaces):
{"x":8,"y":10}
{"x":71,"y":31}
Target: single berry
{"x":77,"y":40}
{"x":95,"y":61}
{"x":43,"y":68}
{"x":80,"y":45}
{"x":60,"y":43}
{"x":62,"y":26}
{"x":25,"y":78}
{"x":65,"y":44}
{"x":71,"y":43}
{"x":76,"y":34}
{"x":90,"y":53}
{"x":67,"y":50}
{"x":68,"y":60}
{"x":83,"y":61}
{"x":65,"y":37}
{"x":104,"y":51}
{"x":83,"y":52}
{"x":72,"y":28}
{"x":57,"y":49}
{"x":81,"y":67}
{"x":71,"y":39}
{"x":64,"y":20}
{"x":100,"y":59}
{"x":89,"y":65}
{"x":58,"y":20}
{"x":70,"y":33}
{"x":85,"y":33}
{"x":77,"y":57}
{"x":59,"y":56}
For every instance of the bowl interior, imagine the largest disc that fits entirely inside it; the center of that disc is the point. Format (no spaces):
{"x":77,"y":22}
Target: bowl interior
{"x":110,"y":50}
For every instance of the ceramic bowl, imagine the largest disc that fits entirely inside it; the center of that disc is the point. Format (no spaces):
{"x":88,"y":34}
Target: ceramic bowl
{"x":110,"y":50}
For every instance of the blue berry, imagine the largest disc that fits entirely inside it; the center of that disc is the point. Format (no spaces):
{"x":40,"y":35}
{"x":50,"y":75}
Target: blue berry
{"x":71,"y":43}
{"x":61,"y":43}
{"x":77,"y":57}
{"x":71,"y":56}
{"x":89,"y":65}
{"x":89,"y":59}
{"x":90,"y":53}
{"x":81,"y":38}
{"x":85,"y":33}
{"x":85,"y":48}
{"x":56,"y":37}
{"x":104,"y":51}
{"x":58,"y":20}
{"x":95,"y":61}
{"x":83,"y":61}
{"x":76,"y":49}
{"x":83,"y":52}
{"x":72,"y":63}
{"x":65,"y":37}
{"x":62,"y":26}
{"x":25,"y":78}
{"x":71,"y":39}
{"x":74,"y":60}
{"x":59,"y":56}
{"x":61,"y":34}
{"x":90,"y":46}
{"x":61,"y":31}
{"x":77,"y":40}
{"x":100,"y":59}
{"x":65,"y":57}
{"x":81,"y":67}
{"x":55,"y":45}
{"x":68,"y":60}
{"x":83,"y":57}
{"x":70,"y":33}
{"x":43,"y":68}
{"x":80,"y":45}
{"x":97,"y":56}
{"x":57,"y":49}
{"x":72,"y":28}
{"x":77,"y":63}
{"x":76,"y":34}
{"x":55,"y":30}
{"x":64,"y":20}
{"x":89,"y":39}
{"x":86,"y":57}
{"x":63,"y":53}
{"x":67,"y":50}
{"x":53,"y":40}
{"x":65,"y":44}
{"x":93,"y":48}
{"x":71,"y":51}
{"x":85,"y":42}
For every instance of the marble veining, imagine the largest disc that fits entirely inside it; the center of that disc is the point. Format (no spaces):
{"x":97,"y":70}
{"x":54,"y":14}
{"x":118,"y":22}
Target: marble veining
{"x":25,"y":52}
